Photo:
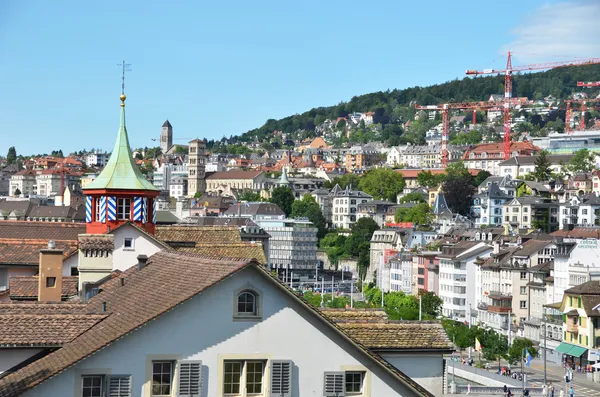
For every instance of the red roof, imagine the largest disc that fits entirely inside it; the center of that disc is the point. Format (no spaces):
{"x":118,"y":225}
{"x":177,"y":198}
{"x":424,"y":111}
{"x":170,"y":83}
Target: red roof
{"x":522,"y":148}
{"x":235,"y":175}
{"x":412,"y":173}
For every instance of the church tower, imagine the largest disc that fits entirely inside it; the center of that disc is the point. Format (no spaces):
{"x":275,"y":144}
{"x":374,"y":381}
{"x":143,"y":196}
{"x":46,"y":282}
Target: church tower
{"x":166,"y":137}
{"x":120,"y":193}
{"x":196,"y":167}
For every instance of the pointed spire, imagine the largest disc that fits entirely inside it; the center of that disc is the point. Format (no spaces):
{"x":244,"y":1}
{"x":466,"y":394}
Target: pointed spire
{"x":121,"y":172}
{"x":283,"y":180}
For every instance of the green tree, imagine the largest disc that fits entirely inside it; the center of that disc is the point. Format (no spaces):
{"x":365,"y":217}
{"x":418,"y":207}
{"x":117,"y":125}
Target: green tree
{"x":17,"y":192}
{"x":358,"y":243}
{"x":519,"y":345}
{"x":582,"y":161}
{"x":482,"y":176}
{"x":309,"y":208}
{"x":420,"y":214}
{"x":382,"y":183}
{"x":153,"y":153}
{"x":458,"y":169}
{"x":494,"y":345}
{"x":431,"y":304}
{"x":181,"y":150}
{"x":542,"y":171}
{"x":458,"y":191}
{"x":11,"y":157}
{"x":248,"y":195}
{"x":333,"y":244}
{"x":283,"y":197}
{"x":412,"y":197}
{"x":348,"y":180}
{"x":428,"y":179}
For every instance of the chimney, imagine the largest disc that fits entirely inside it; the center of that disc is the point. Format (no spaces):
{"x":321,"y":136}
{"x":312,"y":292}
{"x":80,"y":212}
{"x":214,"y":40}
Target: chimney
{"x":142,"y":259}
{"x":95,"y":257}
{"x":50,"y":274}
{"x":496,"y":246}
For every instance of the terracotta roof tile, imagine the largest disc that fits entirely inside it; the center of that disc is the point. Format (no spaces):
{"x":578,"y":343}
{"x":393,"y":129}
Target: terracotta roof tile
{"x":354,"y":314}
{"x":44,"y":329}
{"x":41,"y":230}
{"x":24,"y":288}
{"x":36,"y":307}
{"x":398,"y":335}
{"x":27,"y":252}
{"x":198,"y":234}
{"x":180,"y":276}
{"x":235,"y":251}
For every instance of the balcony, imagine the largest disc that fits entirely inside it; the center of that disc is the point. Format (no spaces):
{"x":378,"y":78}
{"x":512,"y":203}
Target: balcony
{"x":498,"y":309}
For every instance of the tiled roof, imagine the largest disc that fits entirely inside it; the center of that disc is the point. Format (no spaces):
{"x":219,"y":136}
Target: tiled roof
{"x":530,"y":247}
{"x":198,"y":234}
{"x":579,"y":232}
{"x":41,"y":230}
{"x":238,"y":174}
{"x":398,"y":335}
{"x":253,"y":209}
{"x":42,"y":308}
{"x":27,"y":252}
{"x":589,"y":288}
{"x":235,"y":251}
{"x":24,"y":288}
{"x":412,"y":173}
{"x":44,"y":329}
{"x":354,"y":314}
{"x":181,"y":277}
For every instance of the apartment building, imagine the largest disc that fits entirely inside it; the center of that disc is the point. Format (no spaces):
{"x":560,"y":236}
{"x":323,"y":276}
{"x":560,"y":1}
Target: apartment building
{"x":385,"y":244}
{"x":401,"y":273}
{"x":344,"y":206}
{"x":361,"y":158}
{"x":580,"y":211}
{"x":488,"y":156}
{"x":374,"y":209}
{"x":25,"y":182}
{"x":458,"y":263}
{"x":532,"y":213}
{"x":519,"y":166}
{"x":97,"y":159}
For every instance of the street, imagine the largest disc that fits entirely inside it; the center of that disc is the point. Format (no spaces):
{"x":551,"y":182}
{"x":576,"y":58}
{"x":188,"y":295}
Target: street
{"x":582,"y":386}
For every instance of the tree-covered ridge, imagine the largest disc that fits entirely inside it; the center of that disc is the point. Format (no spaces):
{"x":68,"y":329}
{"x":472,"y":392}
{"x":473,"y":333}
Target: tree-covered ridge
{"x":396,"y":106}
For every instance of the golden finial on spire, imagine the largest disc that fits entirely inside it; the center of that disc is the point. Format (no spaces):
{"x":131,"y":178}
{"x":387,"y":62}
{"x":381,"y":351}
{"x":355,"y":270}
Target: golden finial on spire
{"x":126,"y":68}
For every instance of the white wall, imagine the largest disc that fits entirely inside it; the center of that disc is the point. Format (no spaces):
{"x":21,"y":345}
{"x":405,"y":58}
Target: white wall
{"x":11,"y":357}
{"x":203,"y":328}
{"x":426,"y":370}
{"x":123,"y":258}
{"x":70,"y":262}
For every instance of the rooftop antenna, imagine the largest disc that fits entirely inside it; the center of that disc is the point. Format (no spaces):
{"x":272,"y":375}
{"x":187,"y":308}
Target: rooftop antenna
{"x":126,"y":67}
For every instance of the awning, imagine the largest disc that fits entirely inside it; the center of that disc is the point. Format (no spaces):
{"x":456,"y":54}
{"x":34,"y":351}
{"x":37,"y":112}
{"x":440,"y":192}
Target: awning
{"x":571,"y":350}
{"x":577,"y":351}
{"x":563,"y":347}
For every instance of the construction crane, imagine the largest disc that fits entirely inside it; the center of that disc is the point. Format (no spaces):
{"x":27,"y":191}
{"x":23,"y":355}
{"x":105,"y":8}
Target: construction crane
{"x":445,"y":108}
{"x":581,"y":125}
{"x":508,"y":72}
{"x":589,"y":84}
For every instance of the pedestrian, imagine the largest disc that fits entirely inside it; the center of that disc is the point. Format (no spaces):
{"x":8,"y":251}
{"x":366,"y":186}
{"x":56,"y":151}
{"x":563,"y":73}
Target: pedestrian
{"x":561,"y":394}
{"x":571,"y":392}
{"x":551,"y":390}
{"x":469,"y":388}
{"x":505,"y":390}
{"x":544,"y":390}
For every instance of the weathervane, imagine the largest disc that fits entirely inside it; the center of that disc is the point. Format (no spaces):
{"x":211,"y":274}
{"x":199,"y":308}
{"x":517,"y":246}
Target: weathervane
{"x":126,"y":68}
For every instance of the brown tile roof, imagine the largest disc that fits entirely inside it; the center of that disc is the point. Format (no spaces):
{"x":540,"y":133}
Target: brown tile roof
{"x":236,"y":251}
{"x":579,"y":232}
{"x":398,"y":335}
{"x":354,"y":314}
{"x":589,"y":288}
{"x":589,"y":303}
{"x":236,"y":174}
{"x":198,"y":234}
{"x":26,"y":288}
{"x":43,"y":308}
{"x":41,"y":230}
{"x":412,"y":173}
{"x":27,"y":252}
{"x":181,"y":277}
{"x":44,"y":329}
{"x":530,"y":247}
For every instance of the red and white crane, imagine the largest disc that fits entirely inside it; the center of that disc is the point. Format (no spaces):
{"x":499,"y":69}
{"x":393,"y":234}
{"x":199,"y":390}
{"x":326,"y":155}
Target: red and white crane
{"x":508,"y":72}
{"x":445,"y":109}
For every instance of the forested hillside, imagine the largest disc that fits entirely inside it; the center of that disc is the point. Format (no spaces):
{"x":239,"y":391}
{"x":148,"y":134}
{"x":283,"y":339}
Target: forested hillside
{"x":395,"y":106}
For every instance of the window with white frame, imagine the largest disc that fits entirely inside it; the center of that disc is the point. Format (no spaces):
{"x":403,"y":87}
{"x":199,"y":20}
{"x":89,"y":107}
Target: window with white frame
{"x":243,"y":377}
{"x":354,"y":382}
{"x":97,"y":199}
{"x":162,"y":378}
{"x":128,"y":243}
{"x":123,"y":208}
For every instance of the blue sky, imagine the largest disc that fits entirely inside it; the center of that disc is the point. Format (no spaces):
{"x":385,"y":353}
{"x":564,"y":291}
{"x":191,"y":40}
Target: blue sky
{"x":221,"y":68}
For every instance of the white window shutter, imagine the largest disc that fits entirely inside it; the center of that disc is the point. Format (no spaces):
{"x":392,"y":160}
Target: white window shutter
{"x":190,"y":378}
{"x":281,"y":378}
{"x":118,"y":386}
{"x":333,"y":384}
